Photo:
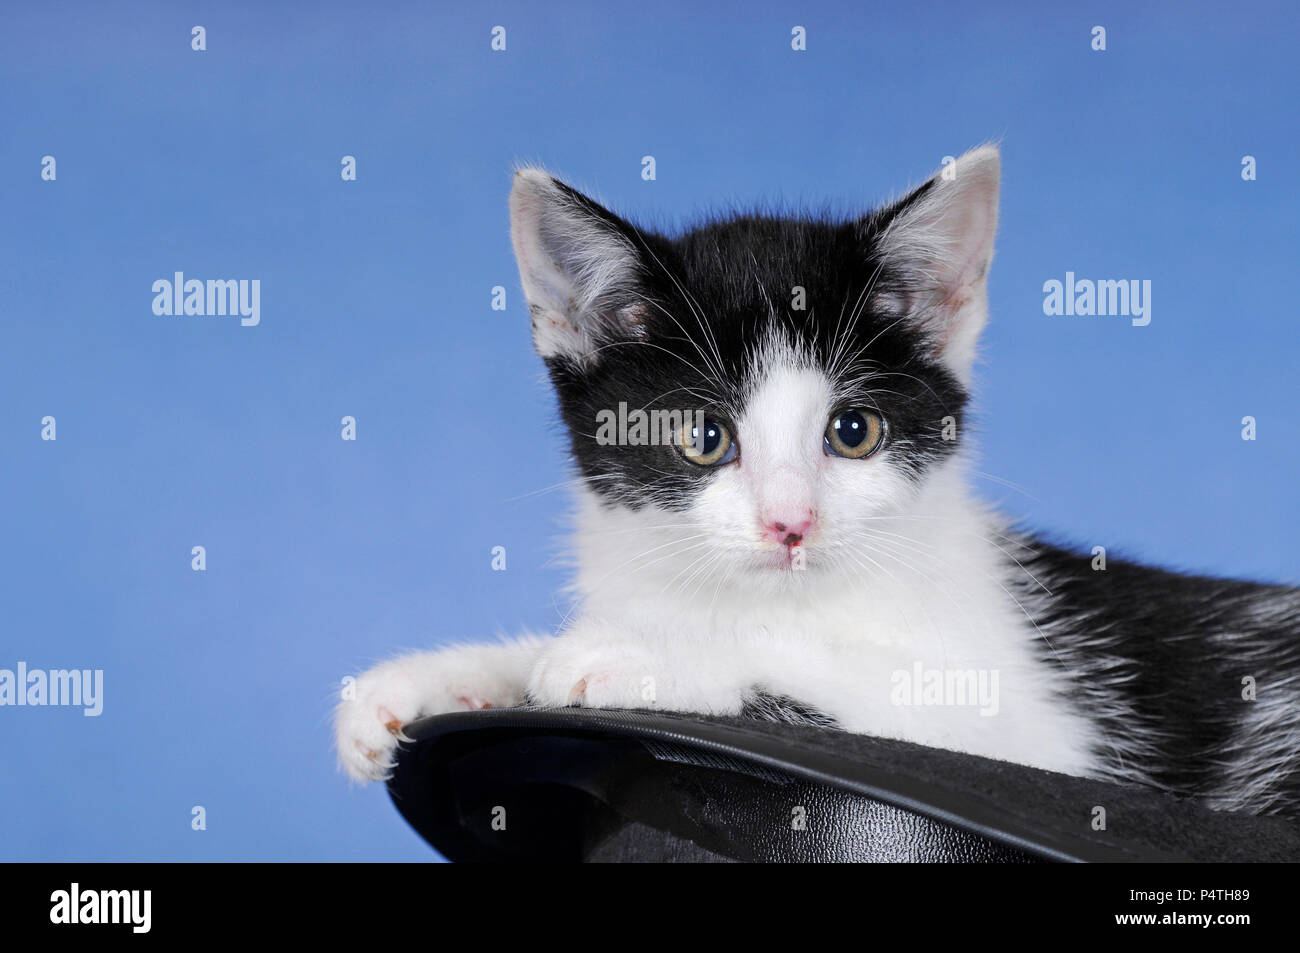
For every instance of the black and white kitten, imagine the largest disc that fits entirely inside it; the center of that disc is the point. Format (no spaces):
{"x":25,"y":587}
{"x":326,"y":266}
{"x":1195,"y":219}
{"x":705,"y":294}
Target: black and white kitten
{"x":808,"y":545}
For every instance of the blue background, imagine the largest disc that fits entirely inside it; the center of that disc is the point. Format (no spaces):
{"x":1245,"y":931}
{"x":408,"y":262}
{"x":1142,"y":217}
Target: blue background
{"x":325,"y":555}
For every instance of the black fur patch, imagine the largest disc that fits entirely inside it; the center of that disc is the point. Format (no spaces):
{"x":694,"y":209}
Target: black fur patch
{"x":1157,"y":659}
{"x":784,"y":710}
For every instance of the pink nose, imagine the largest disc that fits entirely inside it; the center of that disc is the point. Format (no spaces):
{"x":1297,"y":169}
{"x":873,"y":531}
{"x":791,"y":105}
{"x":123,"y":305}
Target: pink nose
{"x":789,"y":531}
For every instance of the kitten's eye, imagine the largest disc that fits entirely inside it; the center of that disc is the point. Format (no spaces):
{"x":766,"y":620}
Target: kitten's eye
{"x":854,"y":434}
{"x":710,"y":447}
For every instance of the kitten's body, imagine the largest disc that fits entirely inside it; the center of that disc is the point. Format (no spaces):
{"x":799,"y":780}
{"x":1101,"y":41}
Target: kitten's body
{"x":689,"y":599}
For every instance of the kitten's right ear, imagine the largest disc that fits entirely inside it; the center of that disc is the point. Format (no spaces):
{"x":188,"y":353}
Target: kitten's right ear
{"x":578,"y":266}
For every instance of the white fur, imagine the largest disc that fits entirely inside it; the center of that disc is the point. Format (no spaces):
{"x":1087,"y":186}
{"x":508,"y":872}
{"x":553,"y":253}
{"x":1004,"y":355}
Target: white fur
{"x":895,"y":575}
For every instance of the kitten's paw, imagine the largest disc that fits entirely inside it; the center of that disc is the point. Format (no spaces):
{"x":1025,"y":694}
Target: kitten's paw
{"x":604,"y":675}
{"x":379,"y":704}
{"x":572,"y":673}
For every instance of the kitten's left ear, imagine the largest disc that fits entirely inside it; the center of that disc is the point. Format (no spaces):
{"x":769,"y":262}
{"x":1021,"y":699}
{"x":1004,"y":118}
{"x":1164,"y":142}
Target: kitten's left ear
{"x":578,"y":264}
{"x":936,"y":245}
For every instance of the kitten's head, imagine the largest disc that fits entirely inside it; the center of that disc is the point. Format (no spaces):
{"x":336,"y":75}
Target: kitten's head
{"x":828,"y":362}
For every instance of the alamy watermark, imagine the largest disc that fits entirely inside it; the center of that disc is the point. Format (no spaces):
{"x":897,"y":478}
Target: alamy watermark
{"x":956,"y":687}
{"x":75,"y":905}
{"x":58,"y":688}
{"x":648,"y":428}
{"x":1106,"y":296}
{"x":216,"y":296}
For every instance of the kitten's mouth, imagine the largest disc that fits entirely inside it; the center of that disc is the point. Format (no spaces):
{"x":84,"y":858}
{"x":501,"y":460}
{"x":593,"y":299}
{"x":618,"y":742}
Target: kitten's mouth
{"x":785,"y":559}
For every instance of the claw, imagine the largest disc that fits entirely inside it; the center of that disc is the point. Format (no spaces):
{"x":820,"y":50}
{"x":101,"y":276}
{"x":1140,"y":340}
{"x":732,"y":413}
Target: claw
{"x":395,"y":729}
{"x":369,"y":753}
{"x":393,"y":724}
{"x":577,"y":692}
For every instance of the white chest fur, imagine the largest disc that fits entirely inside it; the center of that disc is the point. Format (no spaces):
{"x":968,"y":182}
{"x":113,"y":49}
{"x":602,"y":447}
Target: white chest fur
{"x":920,"y":638}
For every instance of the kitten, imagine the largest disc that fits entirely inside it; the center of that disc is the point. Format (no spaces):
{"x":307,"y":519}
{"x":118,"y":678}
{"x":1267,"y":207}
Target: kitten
{"x":805,"y":546}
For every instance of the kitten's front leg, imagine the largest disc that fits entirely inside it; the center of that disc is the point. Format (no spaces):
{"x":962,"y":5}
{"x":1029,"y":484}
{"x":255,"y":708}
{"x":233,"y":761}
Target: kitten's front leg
{"x":370,"y":718}
{"x":602,"y":663}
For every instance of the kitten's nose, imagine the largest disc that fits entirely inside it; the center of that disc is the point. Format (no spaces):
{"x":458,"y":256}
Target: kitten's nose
{"x":789,"y":530}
